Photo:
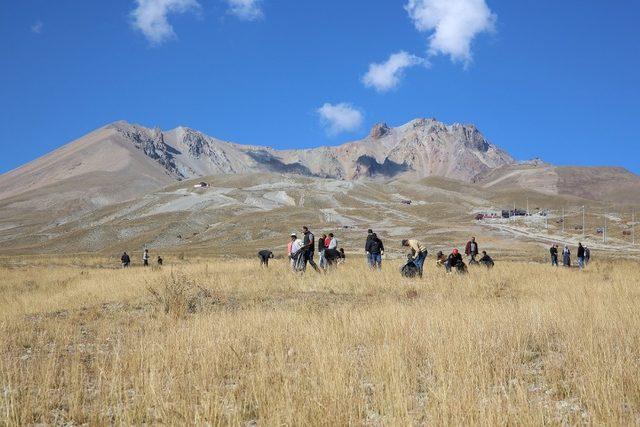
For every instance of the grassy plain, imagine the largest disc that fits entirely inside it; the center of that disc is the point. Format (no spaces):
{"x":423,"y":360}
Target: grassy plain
{"x":225,"y":342}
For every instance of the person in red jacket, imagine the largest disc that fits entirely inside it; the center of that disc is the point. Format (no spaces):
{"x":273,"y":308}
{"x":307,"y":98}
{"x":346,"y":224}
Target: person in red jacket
{"x":471,"y":250}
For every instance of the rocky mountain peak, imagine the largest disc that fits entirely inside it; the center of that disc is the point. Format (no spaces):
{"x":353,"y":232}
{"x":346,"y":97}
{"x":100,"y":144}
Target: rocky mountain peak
{"x":379,"y":130}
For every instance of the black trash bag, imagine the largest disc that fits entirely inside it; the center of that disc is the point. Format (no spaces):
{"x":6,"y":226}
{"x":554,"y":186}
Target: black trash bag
{"x":410,"y":269}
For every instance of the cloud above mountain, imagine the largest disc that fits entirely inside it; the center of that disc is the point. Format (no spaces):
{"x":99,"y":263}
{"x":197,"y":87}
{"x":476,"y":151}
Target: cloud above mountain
{"x":452,"y":25}
{"x":386,"y":75}
{"x":246,"y":10}
{"x":37,"y":27}
{"x":151,"y":17}
{"x":339,"y":118}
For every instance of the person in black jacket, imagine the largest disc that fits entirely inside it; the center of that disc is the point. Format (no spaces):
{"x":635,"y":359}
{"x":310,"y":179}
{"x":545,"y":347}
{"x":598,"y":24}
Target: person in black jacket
{"x":125,"y":260}
{"x":580,"y":256}
{"x":333,"y":256}
{"x":309,"y":246}
{"x":554,"y":255}
{"x":375,"y":250}
{"x":321,"y":248}
{"x":587,"y":256}
{"x":486,"y":260}
{"x":265,"y":255}
{"x":455,"y":261}
{"x":369,"y":237}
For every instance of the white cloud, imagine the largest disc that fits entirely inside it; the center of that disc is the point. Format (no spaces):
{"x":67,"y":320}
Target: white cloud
{"x":386,"y":75}
{"x":37,"y":27}
{"x":453,"y":24}
{"x":150,"y":17}
{"x":247,"y":10}
{"x":340,"y":118}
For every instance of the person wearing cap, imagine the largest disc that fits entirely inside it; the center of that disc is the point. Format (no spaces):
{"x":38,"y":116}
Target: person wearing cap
{"x":292,"y":238}
{"x":454,"y":261}
{"x":418,"y":252}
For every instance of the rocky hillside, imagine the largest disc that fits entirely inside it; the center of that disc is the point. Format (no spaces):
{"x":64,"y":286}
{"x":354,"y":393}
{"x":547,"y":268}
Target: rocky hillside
{"x":421,"y":148}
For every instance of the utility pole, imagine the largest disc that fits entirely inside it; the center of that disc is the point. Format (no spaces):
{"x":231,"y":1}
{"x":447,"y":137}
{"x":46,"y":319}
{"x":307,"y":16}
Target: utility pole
{"x":604,"y":230}
{"x":633,"y":227}
{"x":546,"y":220}
{"x":583,"y":229}
{"x":563,"y":220}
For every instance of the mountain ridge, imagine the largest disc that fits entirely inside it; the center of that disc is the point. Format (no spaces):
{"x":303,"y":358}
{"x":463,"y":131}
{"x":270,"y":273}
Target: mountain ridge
{"x":424,"y":146}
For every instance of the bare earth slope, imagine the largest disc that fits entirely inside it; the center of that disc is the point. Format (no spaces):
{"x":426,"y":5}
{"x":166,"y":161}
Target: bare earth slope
{"x":125,"y":169}
{"x":242,"y":213}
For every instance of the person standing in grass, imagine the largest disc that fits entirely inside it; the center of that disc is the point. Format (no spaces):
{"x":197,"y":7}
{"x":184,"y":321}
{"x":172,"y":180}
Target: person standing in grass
{"x":566,"y":256}
{"x":369,"y":237}
{"x":580,"y":256}
{"x":125,"y":260}
{"x":471,"y":250}
{"x":375,"y":249}
{"x":418,"y":252}
{"x":145,"y":258}
{"x":587,"y":255}
{"x":554,"y":255}
{"x":309,"y":243}
{"x":321,"y":248}
{"x":292,"y":238}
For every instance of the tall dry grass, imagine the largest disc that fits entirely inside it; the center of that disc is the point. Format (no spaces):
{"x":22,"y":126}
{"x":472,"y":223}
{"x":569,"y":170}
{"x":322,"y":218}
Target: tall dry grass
{"x":229,"y":343}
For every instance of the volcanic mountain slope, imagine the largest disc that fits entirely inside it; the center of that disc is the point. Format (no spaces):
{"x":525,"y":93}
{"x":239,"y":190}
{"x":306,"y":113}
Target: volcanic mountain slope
{"x":420,"y":148}
{"x":122,"y":161}
{"x":603,"y":184}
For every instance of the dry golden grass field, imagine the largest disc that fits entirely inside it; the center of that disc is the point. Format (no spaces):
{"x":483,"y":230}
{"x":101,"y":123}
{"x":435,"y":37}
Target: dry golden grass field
{"x":205,"y":341}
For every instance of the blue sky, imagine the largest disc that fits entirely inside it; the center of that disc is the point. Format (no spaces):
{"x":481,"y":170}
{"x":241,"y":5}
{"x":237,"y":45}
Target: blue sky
{"x":554,"y":79}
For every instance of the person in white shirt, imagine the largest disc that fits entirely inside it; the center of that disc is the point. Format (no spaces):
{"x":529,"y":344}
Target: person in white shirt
{"x":333,"y":242}
{"x":296,"y":254}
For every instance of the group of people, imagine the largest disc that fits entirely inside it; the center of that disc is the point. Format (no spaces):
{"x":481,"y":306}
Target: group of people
{"x":584,"y":256}
{"x":455,"y":262}
{"x":125,"y":259}
{"x":302,"y":251}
